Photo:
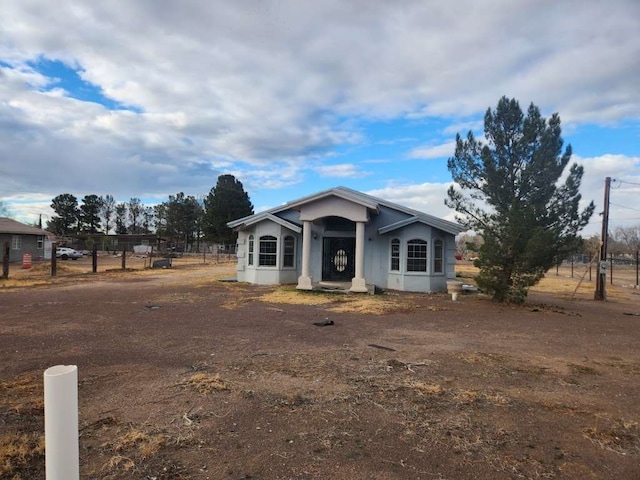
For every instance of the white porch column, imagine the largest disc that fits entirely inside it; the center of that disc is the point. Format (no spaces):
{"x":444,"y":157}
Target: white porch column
{"x":304,"y":280}
{"x":358,"y":284}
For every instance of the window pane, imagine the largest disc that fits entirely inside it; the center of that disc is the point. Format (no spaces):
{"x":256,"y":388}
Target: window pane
{"x":395,"y":255}
{"x":250,"y":259}
{"x":416,"y":256}
{"x":268,"y":249}
{"x":438,"y":256}
{"x":289,"y":251}
{"x":16,"y":242}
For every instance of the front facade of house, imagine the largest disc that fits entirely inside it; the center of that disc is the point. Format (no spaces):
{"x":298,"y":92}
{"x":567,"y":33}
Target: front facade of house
{"x":341,"y":235}
{"x":21,"y":239}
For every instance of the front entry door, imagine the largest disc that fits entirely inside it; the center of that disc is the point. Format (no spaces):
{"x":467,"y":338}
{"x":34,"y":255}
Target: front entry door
{"x":338,"y":259}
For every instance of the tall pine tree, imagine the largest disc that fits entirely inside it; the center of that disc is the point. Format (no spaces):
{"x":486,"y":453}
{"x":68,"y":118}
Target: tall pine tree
{"x":226,"y":201}
{"x":510,"y":193}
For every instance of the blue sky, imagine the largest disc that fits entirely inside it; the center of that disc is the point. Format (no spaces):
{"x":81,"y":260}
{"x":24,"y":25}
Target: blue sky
{"x":136,"y":100}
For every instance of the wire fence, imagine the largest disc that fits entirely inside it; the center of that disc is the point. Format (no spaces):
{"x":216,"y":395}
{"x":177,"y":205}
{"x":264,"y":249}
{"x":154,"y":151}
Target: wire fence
{"x":110,"y":262}
{"x":621,"y":270}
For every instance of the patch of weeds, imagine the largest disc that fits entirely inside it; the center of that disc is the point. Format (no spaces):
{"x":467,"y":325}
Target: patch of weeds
{"x":205,"y":383}
{"x":582,"y":369}
{"x":425,"y":388}
{"x":340,"y":302}
{"x":18,"y":453}
{"x":620,"y":364}
{"x":22,"y":394}
{"x":618,"y":436}
{"x":131,"y":449}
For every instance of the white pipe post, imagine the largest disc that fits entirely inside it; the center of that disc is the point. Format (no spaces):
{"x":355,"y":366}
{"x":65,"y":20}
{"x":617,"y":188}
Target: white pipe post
{"x":61,"y":423}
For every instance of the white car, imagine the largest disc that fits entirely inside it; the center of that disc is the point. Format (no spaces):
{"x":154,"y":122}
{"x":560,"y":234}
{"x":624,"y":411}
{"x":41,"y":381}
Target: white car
{"x":65,"y":253}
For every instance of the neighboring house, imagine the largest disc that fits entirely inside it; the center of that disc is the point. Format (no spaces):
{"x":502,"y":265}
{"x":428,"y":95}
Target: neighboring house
{"x":21,"y":239}
{"x":341,"y":235}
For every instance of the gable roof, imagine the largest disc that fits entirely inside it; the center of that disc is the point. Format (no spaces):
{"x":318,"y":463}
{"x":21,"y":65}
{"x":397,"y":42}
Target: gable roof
{"x":9,"y":225}
{"x":368,"y":201}
{"x":259,"y":217}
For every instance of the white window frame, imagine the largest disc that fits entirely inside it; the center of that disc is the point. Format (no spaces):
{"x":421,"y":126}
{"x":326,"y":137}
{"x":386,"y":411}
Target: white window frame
{"x":423,"y":243}
{"x":16,"y":242}
{"x":250,"y":250}
{"x":264,"y":240}
{"x":438,"y":244}
{"x":291,"y":254}
{"x":395,"y":255}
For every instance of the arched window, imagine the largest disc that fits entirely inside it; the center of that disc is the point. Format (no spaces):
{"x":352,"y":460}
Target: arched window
{"x":288,"y":251}
{"x":268,"y":251}
{"x":416,"y":255}
{"x":250,"y":254}
{"x":395,"y":255}
{"x":438,"y":256}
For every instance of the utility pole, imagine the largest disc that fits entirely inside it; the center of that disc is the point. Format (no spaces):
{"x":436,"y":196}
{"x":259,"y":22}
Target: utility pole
{"x":602,"y":267}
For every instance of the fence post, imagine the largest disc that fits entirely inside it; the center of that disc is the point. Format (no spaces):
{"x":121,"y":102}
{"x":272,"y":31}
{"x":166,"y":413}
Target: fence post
{"x":637,"y":254}
{"x":54,"y":259}
{"x":5,"y":260}
{"x":94,"y":259}
{"x":124,"y":257}
{"x":572,"y":266}
{"x":611,"y":268}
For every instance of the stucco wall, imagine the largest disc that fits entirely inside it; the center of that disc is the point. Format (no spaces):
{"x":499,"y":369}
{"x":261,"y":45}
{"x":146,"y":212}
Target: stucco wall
{"x":29,"y":245}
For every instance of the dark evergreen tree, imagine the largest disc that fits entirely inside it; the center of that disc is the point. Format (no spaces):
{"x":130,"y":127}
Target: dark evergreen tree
{"x":121,"y":218}
{"x":136,"y":211}
{"x":226,"y":201}
{"x":90,"y":213}
{"x":514,"y":199}
{"x":107,"y":211}
{"x":180,"y":218}
{"x":67,"y":214}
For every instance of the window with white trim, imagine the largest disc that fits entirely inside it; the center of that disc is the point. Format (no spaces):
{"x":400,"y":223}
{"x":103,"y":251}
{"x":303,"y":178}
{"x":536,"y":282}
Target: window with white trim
{"x":250,"y":253}
{"x":268,"y":251}
{"x":416,"y":255}
{"x":16,"y":242}
{"x":395,"y":255}
{"x":288,"y":251}
{"x":40,"y":242}
{"x":438,"y":256}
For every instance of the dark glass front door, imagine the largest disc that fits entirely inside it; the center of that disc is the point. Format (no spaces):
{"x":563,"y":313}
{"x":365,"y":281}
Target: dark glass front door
{"x":338,"y":259}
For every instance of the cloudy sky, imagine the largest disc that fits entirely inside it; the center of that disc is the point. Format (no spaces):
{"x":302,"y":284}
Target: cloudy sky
{"x":149,"y":98}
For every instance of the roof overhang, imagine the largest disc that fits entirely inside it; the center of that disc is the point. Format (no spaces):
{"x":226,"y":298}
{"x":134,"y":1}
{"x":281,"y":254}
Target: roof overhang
{"x":261,"y":217}
{"x":449,"y":227}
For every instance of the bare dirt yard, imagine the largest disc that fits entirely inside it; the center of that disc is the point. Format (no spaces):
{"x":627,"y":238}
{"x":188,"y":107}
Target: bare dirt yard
{"x":183,"y":376}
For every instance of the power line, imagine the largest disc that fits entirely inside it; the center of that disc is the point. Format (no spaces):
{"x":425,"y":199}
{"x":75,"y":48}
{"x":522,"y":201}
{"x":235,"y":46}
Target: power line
{"x":624,"y":181}
{"x":624,"y":206}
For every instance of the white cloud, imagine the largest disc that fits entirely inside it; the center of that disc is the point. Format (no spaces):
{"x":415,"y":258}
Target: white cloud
{"x":344,"y":170}
{"x":444,"y":150}
{"x":424,"y":197}
{"x":265,"y":89}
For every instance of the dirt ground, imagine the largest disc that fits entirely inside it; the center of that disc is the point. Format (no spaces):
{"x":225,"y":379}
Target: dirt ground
{"x":184,"y":376}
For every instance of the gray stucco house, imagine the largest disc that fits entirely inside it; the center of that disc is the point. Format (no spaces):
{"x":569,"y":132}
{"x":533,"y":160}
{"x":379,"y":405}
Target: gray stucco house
{"x":341,"y":235}
{"x":21,"y":239}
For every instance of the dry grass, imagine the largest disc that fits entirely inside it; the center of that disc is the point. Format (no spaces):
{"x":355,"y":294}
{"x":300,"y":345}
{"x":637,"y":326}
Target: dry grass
{"x":290,"y":295}
{"x":134,"y":445}
{"x":338,"y":302}
{"x":22,"y":394}
{"x":619,"y":436}
{"x":205,"y":383}
{"x":425,"y":388}
{"x":17,"y":451}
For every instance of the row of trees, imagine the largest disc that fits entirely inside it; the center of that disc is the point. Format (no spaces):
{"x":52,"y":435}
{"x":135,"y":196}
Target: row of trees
{"x":621,"y":241}
{"x":182,"y":217}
